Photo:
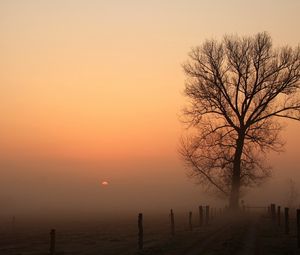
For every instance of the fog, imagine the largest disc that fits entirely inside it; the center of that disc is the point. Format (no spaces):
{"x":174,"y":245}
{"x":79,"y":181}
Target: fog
{"x":54,"y":187}
{"x":92,"y":92}
{"x":60,"y":188}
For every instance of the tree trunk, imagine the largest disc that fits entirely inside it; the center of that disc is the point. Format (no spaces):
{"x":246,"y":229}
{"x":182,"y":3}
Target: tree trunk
{"x":236,"y":176}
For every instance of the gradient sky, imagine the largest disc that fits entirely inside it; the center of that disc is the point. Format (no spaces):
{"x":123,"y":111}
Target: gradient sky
{"x":92,"y":90}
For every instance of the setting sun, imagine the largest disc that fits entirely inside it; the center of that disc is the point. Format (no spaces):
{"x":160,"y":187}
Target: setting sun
{"x":104,"y":183}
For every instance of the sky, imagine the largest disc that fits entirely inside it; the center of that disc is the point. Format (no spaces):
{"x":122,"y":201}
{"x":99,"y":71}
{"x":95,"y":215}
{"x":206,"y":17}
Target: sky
{"x":92,"y":91}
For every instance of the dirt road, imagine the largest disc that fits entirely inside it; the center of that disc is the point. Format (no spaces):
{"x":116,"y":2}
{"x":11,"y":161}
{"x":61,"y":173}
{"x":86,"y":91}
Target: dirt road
{"x":250,"y":235}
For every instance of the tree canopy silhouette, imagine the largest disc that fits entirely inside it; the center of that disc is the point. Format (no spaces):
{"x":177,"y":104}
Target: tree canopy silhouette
{"x":237,"y":90}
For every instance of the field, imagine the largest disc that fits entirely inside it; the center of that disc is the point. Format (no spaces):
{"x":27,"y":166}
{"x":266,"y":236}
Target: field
{"x":250,"y":233}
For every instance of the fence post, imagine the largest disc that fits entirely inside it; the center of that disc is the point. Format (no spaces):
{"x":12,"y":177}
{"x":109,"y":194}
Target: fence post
{"x":278,"y":215}
{"x":190,"y":221}
{"x":298,"y":227}
{"x":273,"y":212}
{"x":287,"y":223}
{"x":201,"y":215}
{"x":207,"y":214}
{"x":243,"y":205}
{"x":141,"y":231}
{"x":172,"y":223}
{"x":52,"y":241}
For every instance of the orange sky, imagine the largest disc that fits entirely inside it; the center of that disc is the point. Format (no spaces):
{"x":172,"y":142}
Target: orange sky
{"x":101,"y":81}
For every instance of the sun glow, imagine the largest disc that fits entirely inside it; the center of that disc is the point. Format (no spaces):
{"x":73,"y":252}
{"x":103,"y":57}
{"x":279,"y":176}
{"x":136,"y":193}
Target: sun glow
{"x":104,"y":183}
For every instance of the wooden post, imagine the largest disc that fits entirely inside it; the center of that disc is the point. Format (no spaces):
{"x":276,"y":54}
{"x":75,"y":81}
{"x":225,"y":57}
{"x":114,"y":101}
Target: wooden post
{"x":201,"y":215}
{"x":52,"y":242}
{"x":298,"y":228}
{"x":172,"y":223}
{"x":287,"y":223}
{"x":243,"y":205}
{"x":190,"y":221}
{"x":273,"y":213}
{"x":141,"y":231}
{"x":278,"y":215}
{"x":207,"y":214}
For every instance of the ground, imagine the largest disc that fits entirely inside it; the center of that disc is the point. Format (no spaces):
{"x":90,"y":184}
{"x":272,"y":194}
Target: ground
{"x":249,"y":233}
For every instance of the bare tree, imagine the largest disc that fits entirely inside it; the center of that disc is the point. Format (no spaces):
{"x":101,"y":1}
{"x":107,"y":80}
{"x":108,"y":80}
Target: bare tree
{"x":237,"y":90}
